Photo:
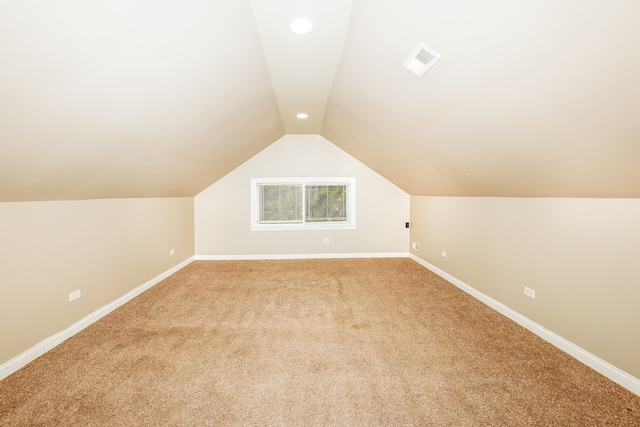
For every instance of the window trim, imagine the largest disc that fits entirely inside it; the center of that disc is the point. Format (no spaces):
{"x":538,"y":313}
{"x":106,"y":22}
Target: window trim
{"x":350,"y":224}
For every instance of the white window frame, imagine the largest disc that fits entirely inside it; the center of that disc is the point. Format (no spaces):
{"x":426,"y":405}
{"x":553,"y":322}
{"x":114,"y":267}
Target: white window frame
{"x":349,"y":224}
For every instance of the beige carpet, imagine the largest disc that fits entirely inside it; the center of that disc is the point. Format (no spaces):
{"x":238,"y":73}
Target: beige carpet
{"x":369,"y":342}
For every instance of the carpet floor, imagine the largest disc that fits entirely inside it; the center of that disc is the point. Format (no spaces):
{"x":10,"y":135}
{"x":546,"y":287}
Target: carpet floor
{"x":331,"y":342}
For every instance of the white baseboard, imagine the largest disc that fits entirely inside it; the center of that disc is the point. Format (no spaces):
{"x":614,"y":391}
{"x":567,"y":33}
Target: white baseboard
{"x":616,"y":375}
{"x":47,"y":344}
{"x":301,"y":256}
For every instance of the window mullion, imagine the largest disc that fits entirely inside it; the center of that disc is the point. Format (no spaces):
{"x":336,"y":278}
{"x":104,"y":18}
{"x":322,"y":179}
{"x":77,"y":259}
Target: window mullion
{"x":326,"y":210}
{"x":304,"y":203}
{"x":279,"y":202}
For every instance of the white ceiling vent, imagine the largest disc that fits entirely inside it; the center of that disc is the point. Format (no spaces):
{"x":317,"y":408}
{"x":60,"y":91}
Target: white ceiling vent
{"x":421,"y":60}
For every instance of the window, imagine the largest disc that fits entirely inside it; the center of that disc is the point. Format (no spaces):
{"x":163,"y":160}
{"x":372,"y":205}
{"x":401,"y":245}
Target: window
{"x":302,"y":203}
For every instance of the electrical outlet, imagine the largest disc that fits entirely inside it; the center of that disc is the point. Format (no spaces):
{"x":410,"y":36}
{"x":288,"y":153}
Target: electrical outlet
{"x":171,"y":252}
{"x":444,"y":254}
{"x":416,"y":246}
{"x":74,"y":295}
{"x":406,"y":225}
{"x":530,"y":292}
{"x":326,"y":240}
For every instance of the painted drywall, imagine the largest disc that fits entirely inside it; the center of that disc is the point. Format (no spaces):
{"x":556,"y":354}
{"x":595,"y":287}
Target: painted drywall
{"x":126,"y":99}
{"x":579,"y":255}
{"x":105,"y":248}
{"x":222,"y":211}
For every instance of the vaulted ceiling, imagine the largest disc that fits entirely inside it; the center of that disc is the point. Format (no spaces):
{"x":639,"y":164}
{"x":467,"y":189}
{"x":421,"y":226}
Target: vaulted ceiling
{"x":142,"y":98}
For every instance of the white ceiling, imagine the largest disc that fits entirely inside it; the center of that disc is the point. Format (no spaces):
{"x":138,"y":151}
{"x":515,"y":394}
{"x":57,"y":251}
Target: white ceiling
{"x":302,"y":66}
{"x":141,"y":98}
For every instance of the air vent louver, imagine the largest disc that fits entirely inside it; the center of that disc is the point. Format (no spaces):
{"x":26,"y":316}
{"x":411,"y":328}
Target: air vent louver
{"x":421,"y":60}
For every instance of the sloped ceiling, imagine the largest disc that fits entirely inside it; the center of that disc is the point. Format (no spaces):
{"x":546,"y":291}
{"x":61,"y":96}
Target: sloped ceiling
{"x":531,"y":98}
{"x":129,"y":98}
{"x":140,"y":98}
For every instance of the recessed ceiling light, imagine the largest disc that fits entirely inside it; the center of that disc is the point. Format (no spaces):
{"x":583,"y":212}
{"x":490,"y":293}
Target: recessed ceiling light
{"x":302,"y":115}
{"x":301,"y":26}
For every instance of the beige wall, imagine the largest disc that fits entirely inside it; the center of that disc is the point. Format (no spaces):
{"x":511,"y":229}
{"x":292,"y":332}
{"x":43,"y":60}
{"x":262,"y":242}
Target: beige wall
{"x":222,"y":211}
{"x":581,"y":256}
{"x":105,"y":248}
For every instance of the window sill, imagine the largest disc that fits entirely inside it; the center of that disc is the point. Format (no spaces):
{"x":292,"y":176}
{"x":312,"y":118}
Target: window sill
{"x":302,"y":227}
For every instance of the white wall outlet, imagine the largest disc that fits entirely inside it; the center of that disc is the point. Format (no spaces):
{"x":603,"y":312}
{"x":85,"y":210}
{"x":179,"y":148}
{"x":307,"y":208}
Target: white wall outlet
{"x":74,"y":295}
{"x":530,"y":292}
{"x":415,"y":246}
{"x":171,"y":252}
{"x":326,"y":240}
{"x":444,"y":254}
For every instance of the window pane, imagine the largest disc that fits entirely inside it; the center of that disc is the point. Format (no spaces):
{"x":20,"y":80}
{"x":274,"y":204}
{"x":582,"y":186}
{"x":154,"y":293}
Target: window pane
{"x":280,"y":203}
{"x":326,"y":203}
